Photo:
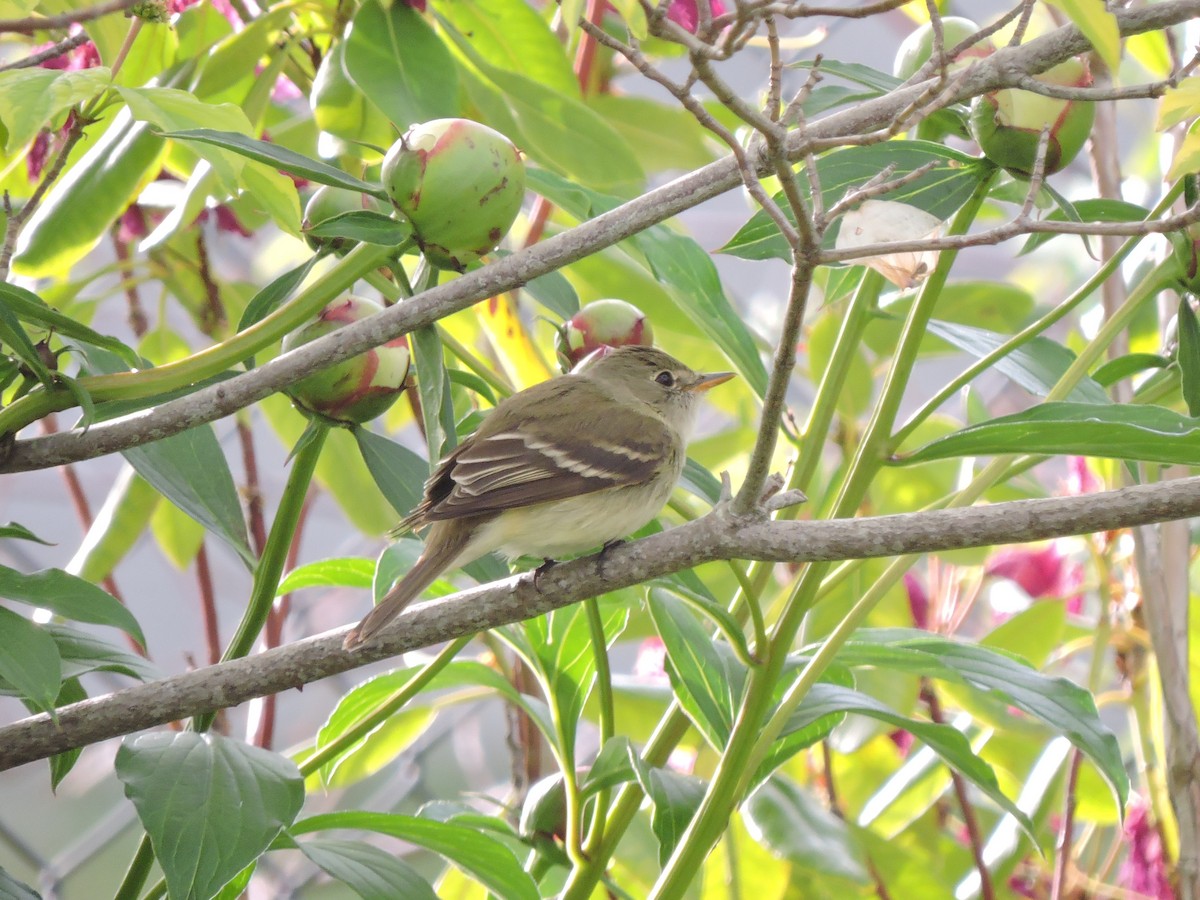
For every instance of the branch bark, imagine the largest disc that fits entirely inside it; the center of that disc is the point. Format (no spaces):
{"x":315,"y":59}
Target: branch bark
{"x":1003,"y":68}
{"x":720,"y":535}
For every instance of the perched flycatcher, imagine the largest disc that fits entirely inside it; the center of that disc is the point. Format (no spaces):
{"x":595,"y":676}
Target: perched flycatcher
{"x":564,"y":466}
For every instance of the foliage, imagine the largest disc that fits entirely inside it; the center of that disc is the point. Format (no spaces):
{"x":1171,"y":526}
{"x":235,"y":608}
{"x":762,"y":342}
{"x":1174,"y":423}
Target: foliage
{"x":960,"y":723}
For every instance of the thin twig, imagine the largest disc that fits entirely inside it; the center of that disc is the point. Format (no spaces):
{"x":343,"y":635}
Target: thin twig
{"x":1062,"y":862}
{"x":52,"y":52}
{"x":48,"y":23}
{"x":966,"y":807}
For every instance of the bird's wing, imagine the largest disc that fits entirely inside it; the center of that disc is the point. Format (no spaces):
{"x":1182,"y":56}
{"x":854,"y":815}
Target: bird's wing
{"x":521,"y":460}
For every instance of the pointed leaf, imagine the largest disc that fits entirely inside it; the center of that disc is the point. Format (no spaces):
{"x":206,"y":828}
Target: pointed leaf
{"x":190,"y":470}
{"x":362,"y":225}
{"x":397,"y":60}
{"x":278,"y":157}
{"x":674,"y":800}
{"x":482,"y":856}
{"x":29,"y":660}
{"x":210,"y":805}
{"x":1116,"y":431}
{"x":29,"y":307}
{"x":1189,"y":355}
{"x":61,"y":764}
{"x":68,"y":596}
{"x":790,"y":822}
{"x":353,"y":572}
{"x":371,"y":873}
{"x":398,"y":472}
{"x":1037,"y":365}
{"x":17,"y":531}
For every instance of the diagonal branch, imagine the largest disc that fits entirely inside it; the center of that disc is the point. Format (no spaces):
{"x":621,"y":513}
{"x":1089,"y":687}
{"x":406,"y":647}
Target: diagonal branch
{"x":720,"y":535}
{"x":208,"y":404}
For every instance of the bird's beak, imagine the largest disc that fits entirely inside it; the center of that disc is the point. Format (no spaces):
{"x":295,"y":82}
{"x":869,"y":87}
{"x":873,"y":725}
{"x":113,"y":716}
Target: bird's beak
{"x":704,"y":382}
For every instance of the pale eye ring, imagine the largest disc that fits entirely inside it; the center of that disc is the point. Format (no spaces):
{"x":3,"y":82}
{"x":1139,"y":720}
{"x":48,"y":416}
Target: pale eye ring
{"x":666,"y":379}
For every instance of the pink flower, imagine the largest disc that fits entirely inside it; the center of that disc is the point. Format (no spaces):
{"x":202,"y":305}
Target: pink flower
{"x":651,"y":660}
{"x":1080,"y":478}
{"x":918,"y":600}
{"x":903,"y":740}
{"x":686,"y":13}
{"x":1143,"y":870}
{"x":1039,"y":573}
{"x":85,"y":56}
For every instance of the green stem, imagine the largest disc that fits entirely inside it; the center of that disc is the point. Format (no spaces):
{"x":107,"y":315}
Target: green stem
{"x":274,"y":557}
{"x":138,"y":872}
{"x":608,"y":715}
{"x":210,"y":361}
{"x":389,"y":707}
{"x":733,"y":770}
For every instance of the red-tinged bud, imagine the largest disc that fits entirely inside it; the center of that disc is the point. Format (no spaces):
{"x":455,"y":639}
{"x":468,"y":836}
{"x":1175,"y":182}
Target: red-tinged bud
{"x":461,"y":185}
{"x":602,"y":324}
{"x":357,"y":389}
{"x":328,"y":202}
{"x":1008,"y":124}
{"x":917,"y":48}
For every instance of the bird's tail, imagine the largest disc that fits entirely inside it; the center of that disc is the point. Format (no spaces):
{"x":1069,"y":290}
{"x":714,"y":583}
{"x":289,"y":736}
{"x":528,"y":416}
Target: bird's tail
{"x":440,"y":553}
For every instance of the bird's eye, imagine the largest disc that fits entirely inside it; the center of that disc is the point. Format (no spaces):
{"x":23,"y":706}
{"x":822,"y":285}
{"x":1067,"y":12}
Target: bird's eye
{"x":666,"y":379}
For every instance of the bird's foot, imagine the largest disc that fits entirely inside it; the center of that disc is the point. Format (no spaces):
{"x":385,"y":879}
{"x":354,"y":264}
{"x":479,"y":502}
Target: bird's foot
{"x":603,"y":554}
{"x":546,"y":566}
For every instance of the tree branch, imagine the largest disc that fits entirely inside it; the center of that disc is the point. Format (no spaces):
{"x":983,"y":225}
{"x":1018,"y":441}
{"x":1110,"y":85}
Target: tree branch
{"x":998,"y":70}
{"x":720,"y":535}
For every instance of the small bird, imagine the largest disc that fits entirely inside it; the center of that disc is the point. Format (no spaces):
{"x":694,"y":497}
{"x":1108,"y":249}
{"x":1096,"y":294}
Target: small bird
{"x":573,"y":463}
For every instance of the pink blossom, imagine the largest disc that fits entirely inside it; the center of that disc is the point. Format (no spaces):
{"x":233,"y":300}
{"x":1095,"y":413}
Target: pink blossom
{"x":918,"y":600}
{"x":903,"y":740}
{"x":1040,"y":573}
{"x":651,"y":660}
{"x":35,"y":159}
{"x":1080,"y":478}
{"x":686,"y":13}
{"x":226,"y":220}
{"x":85,"y":56}
{"x":1144,"y":871}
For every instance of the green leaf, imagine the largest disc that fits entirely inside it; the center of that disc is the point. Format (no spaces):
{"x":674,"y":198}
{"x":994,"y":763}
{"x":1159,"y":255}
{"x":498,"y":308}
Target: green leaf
{"x":371,"y":873}
{"x":1057,"y":702}
{"x":611,"y":767}
{"x":118,"y":525}
{"x":400,"y":64}
{"x":61,"y":764}
{"x":31,"y":97}
{"x":667,"y":137}
{"x":711,"y":608}
{"x":364,"y":226}
{"x":1116,"y":431}
{"x":1098,"y":25}
{"x":1189,"y":355}
{"x":1092,"y":210}
{"x":512,"y":36}
{"x":278,"y":157}
{"x":82,"y":652}
{"x":701,"y":482}
{"x":881,"y":82}
{"x":79,"y":208}
{"x":1126,"y":366}
{"x":172,"y":110}
{"x":398,"y":472}
{"x":437,"y":401}
{"x":939,"y":192}
{"x":17,"y":531}
{"x":68,"y":596}
{"x":705,"y":681}
{"x":483,"y":857}
{"x":29,"y":307}
{"x":554,"y":292}
{"x":555,"y":129}
{"x":353,"y":572}
{"x":791,"y":823}
{"x":210,"y":805}
{"x":1037,"y":365}
{"x":946,"y":741}
{"x":29,"y":660}
{"x":562,"y":654}
{"x":13,"y":336}
{"x":674,"y":799}
{"x":190,"y":470}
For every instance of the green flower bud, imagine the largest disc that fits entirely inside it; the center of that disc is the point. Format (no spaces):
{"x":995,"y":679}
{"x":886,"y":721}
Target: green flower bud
{"x":599,"y":324}
{"x":1008,"y":124}
{"x":328,"y":202}
{"x":460,"y":184}
{"x":357,"y":389}
{"x":917,"y":48}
